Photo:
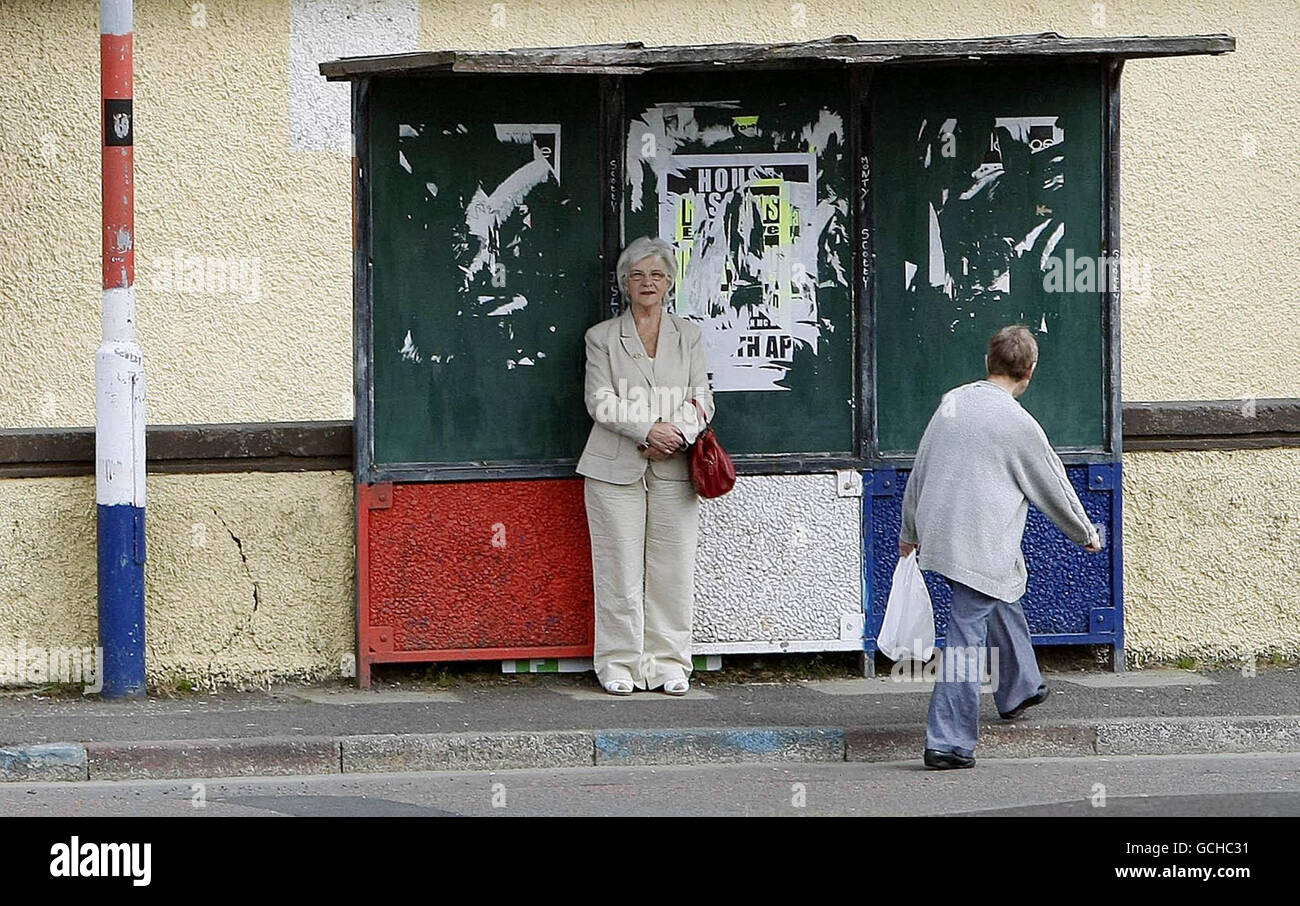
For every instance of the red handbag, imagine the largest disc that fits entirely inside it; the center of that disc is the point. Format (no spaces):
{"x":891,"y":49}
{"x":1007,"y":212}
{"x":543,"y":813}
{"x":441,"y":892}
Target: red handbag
{"x":712,"y":471}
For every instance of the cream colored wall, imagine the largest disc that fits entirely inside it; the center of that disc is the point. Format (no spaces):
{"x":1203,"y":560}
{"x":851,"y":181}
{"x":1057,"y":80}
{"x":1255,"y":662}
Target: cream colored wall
{"x":1209,"y":169}
{"x":203,"y":622}
{"x":1210,"y":546}
{"x":1209,"y":569}
{"x":1209,"y":152}
{"x":215,"y":175}
{"x":1209,"y":166}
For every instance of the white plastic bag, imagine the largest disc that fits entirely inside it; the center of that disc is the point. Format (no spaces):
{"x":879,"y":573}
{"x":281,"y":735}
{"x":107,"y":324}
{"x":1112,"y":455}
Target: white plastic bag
{"x":908,"y":629}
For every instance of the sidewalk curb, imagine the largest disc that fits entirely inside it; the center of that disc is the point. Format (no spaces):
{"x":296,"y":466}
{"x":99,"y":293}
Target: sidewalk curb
{"x":721,"y":744}
{"x":1199,"y":735}
{"x":276,"y":756}
{"x":396,"y":752}
{"x":499,"y":751}
{"x":48,"y":761}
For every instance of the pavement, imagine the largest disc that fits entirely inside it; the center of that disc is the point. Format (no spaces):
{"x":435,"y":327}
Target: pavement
{"x":1194,"y":786}
{"x":542,"y":721}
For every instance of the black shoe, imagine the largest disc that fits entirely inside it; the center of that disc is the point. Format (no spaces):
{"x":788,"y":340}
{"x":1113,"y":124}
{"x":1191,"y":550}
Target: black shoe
{"x":1036,"y":699}
{"x":944,"y":761}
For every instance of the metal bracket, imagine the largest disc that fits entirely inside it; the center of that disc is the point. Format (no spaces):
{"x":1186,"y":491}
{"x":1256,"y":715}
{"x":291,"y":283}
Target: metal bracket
{"x":380,"y":496}
{"x":852,"y":627}
{"x":884,"y":482}
{"x":848,"y":483}
{"x":1101,"y":620}
{"x":1101,"y":477}
{"x":380,"y":639}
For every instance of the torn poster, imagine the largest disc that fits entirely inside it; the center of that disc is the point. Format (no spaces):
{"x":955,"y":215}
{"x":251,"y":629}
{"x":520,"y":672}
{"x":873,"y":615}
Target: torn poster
{"x":486,"y":212}
{"x":984,"y":220}
{"x":746,"y":228}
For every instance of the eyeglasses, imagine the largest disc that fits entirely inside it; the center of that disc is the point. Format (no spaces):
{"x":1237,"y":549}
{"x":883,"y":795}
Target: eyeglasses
{"x":642,"y":277}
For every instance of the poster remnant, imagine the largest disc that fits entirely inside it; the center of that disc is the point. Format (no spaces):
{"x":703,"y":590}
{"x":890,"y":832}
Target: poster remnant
{"x":984,"y":264}
{"x":745,"y":227}
{"x":486,"y":212}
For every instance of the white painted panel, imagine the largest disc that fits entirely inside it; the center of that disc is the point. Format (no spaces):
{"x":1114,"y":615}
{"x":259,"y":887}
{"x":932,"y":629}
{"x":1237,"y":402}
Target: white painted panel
{"x":779,"y":564}
{"x":120,"y":413}
{"x":320,"y":112}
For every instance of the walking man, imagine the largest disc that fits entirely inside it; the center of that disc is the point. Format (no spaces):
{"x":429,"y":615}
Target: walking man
{"x":982,"y":460}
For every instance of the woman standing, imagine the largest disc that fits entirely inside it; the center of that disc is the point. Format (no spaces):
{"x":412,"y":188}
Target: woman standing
{"x":646,"y":382}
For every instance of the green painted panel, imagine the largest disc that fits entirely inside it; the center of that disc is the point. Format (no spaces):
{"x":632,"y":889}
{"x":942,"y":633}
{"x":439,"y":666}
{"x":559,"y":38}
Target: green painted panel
{"x":749,"y":176}
{"x":486,"y":243}
{"x":987,"y":196}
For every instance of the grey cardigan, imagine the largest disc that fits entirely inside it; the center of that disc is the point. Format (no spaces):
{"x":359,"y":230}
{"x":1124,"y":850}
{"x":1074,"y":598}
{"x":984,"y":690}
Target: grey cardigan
{"x":982,"y":460}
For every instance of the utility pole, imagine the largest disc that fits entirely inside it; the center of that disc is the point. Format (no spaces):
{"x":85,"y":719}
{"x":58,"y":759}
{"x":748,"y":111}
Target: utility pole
{"x":119,"y":376}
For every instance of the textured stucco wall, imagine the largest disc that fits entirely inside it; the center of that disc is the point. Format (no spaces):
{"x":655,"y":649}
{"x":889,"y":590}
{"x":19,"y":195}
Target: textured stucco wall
{"x":1210,"y":554}
{"x":779,"y":560}
{"x":1209,"y":565}
{"x":227,"y":108}
{"x":274,"y":605}
{"x":1208,"y":146}
{"x":226,"y":101}
{"x":216,"y":176}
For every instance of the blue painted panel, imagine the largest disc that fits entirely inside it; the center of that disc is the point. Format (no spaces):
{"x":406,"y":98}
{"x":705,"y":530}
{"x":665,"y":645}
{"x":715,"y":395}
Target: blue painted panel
{"x":121,"y":599}
{"x":1073,"y":597}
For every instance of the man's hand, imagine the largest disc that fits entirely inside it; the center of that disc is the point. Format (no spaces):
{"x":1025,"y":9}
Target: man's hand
{"x":1094,"y":546}
{"x":904,"y":549}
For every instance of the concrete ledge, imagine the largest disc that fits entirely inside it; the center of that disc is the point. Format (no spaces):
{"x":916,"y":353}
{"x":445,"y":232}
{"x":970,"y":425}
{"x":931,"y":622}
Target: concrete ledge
{"x":1010,"y":740}
{"x":1030,"y":739}
{"x":625,"y":747}
{"x":465,"y":751}
{"x":497,"y":751}
{"x":48,"y":761}
{"x":1199,"y":735}
{"x":271,"y":756}
{"x":884,"y":743}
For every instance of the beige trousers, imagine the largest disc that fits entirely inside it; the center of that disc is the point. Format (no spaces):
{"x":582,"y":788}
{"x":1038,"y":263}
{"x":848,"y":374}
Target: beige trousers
{"x":643,"y":539}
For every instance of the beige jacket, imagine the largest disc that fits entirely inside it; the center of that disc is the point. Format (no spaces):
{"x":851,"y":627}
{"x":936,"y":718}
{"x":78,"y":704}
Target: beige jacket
{"x":626,"y":393}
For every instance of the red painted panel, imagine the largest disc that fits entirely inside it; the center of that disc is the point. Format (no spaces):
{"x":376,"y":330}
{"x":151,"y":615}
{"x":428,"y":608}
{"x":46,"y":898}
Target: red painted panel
{"x":463,"y":566}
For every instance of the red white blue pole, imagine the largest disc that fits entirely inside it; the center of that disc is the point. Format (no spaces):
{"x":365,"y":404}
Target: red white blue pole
{"x":119,"y":376}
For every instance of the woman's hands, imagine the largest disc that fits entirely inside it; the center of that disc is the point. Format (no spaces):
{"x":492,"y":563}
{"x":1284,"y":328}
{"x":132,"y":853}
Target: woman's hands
{"x":663,"y":441}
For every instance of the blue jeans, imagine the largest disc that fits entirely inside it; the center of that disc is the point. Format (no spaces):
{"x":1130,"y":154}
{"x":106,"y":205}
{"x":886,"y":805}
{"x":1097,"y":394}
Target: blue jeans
{"x":976,"y":625}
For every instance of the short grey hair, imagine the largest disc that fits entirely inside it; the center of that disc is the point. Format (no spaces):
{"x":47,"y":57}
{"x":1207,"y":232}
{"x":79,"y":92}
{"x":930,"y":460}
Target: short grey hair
{"x":640,"y":249}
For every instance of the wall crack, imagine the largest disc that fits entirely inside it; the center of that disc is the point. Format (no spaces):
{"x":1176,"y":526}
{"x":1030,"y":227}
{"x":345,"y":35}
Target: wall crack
{"x":257,"y":594}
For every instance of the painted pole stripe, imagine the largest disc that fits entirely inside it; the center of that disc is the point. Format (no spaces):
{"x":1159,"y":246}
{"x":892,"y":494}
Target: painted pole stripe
{"x":117,"y":187}
{"x":118,"y":199}
{"x":116,"y":18}
{"x":119,"y":405}
{"x":119,"y":375}
{"x":116,"y":75}
{"x":121,"y":599}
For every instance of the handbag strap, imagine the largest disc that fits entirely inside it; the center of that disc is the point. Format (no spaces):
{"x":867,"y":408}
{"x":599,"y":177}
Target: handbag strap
{"x":700,"y":409}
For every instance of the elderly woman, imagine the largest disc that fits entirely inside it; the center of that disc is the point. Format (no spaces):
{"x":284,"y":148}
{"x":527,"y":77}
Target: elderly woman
{"x":647,"y":389}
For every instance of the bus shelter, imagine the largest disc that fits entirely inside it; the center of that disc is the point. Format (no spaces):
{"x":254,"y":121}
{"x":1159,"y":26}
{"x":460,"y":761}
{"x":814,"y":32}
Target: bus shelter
{"x":852,"y":219}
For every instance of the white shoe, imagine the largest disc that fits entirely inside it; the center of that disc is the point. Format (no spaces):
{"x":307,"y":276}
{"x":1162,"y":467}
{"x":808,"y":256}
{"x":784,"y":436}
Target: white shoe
{"x":676,"y":687}
{"x":619,"y":687}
